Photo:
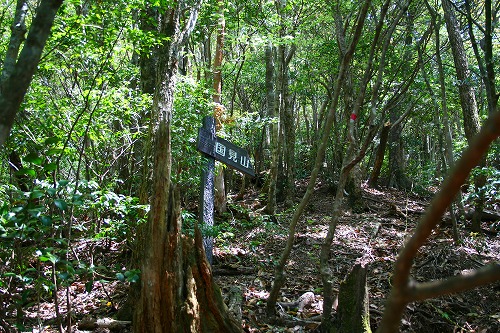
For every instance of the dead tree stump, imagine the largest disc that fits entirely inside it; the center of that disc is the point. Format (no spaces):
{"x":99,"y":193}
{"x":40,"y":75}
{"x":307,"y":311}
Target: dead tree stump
{"x":352,"y":313}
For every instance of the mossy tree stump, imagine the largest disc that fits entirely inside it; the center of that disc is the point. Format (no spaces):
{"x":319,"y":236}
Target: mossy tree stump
{"x":353,"y":315}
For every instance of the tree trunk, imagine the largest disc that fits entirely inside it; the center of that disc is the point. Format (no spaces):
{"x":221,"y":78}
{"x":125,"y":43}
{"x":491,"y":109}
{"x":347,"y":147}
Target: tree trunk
{"x":467,"y":101}
{"x":177,"y":290}
{"x":274,"y":128}
{"x":220,"y":201}
{"x":486,"y":67}
{"x":445,"y":133}
{"x":379,"y":156}
{"x":353,"y":312}
{"x":16,"y":79}
{"x":397,"y":160}
{"x":466,"y":91}
{"x":184,"y":297}
{"x":288,"y":116}
{"x":397,"y":163}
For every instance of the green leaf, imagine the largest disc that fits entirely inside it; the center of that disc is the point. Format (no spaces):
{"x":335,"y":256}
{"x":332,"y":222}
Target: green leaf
{"x":46,"y":220}
{"x":35,"y":212}
{"x":52,"y":140}
{"x":33,"y":158}
{"x":61,"y":204}
{"x":17,"y":209}
{"x":89,"y":285}
{"x":54,"y":151}
{"x":50,"y":167}
{"x":120,"y":277}
{"x":132,"y":276}
{"x":26,"y":171}
{"x":36,"y":194}
{"x":48,"y":257}
{"x":63,"y":182}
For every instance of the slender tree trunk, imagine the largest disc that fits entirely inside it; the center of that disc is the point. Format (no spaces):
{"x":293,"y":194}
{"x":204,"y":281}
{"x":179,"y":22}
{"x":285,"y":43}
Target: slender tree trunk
{"x":278,"y":110}
{"x":288,"y":116}
{"x":276,"y":171}
{"x":397,"y":163}
{"x":220,"y":201}
{"x":18,"y":30}
{"x":379,"y":155}
{"x":447,"y":131}
{"x":384,"y":134}
{"x":486,"y":63}
{"x":466,"y":91}
{"x":353,"y":183}
{"x":16,"y":79}
{"x":354,"y":155}
{"x":273,"y":132}
{"x":467,"y":101}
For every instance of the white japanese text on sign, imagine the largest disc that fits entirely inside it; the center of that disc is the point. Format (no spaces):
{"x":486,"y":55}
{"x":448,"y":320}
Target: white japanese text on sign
{"x":232,"y":154}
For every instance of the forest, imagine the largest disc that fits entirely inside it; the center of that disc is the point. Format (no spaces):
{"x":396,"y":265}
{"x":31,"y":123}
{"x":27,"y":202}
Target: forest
{"x":368,"y":135}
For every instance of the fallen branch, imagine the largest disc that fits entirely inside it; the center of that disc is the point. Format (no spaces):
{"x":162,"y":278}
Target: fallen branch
{"x":232,"y":271}
{"x":485,"y":215}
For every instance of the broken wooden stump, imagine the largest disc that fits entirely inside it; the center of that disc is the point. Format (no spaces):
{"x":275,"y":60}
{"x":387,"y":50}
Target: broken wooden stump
{"x":353,"y":315}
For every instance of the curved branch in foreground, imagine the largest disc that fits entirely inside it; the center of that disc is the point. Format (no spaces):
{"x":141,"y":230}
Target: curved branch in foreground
{"x":402,"y":289}
{"x":455,"y":284}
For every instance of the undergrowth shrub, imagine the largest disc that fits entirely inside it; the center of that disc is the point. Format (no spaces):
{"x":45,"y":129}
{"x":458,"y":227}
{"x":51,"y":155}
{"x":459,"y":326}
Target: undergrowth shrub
{"x":39,"y":233}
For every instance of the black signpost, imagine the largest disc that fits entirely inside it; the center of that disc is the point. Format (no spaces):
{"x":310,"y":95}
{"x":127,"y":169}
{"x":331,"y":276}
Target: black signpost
{"x":216,"y":148}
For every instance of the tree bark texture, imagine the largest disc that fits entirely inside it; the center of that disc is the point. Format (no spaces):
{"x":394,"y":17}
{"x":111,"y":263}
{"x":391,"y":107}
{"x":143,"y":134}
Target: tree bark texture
{"x":465,"y":88}
{"x":181,"y":295}
{"x":148,"y":67}
{"x":18,"y":31}
{"x":14,"y":85}
{"x":273,"y":131}
{"x":353,"y":312}
{"x":486,"y":64}
{"x":177,"y":290}
{"x":220,"y":201}
{"x":397,"y":163}
{"x":379,"y":155}
{"x":288,"y":116}
{"x":467,"y":100}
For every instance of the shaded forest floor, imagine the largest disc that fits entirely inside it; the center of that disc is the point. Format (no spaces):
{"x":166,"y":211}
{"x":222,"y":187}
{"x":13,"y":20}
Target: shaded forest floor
{"x":249,"y":243}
